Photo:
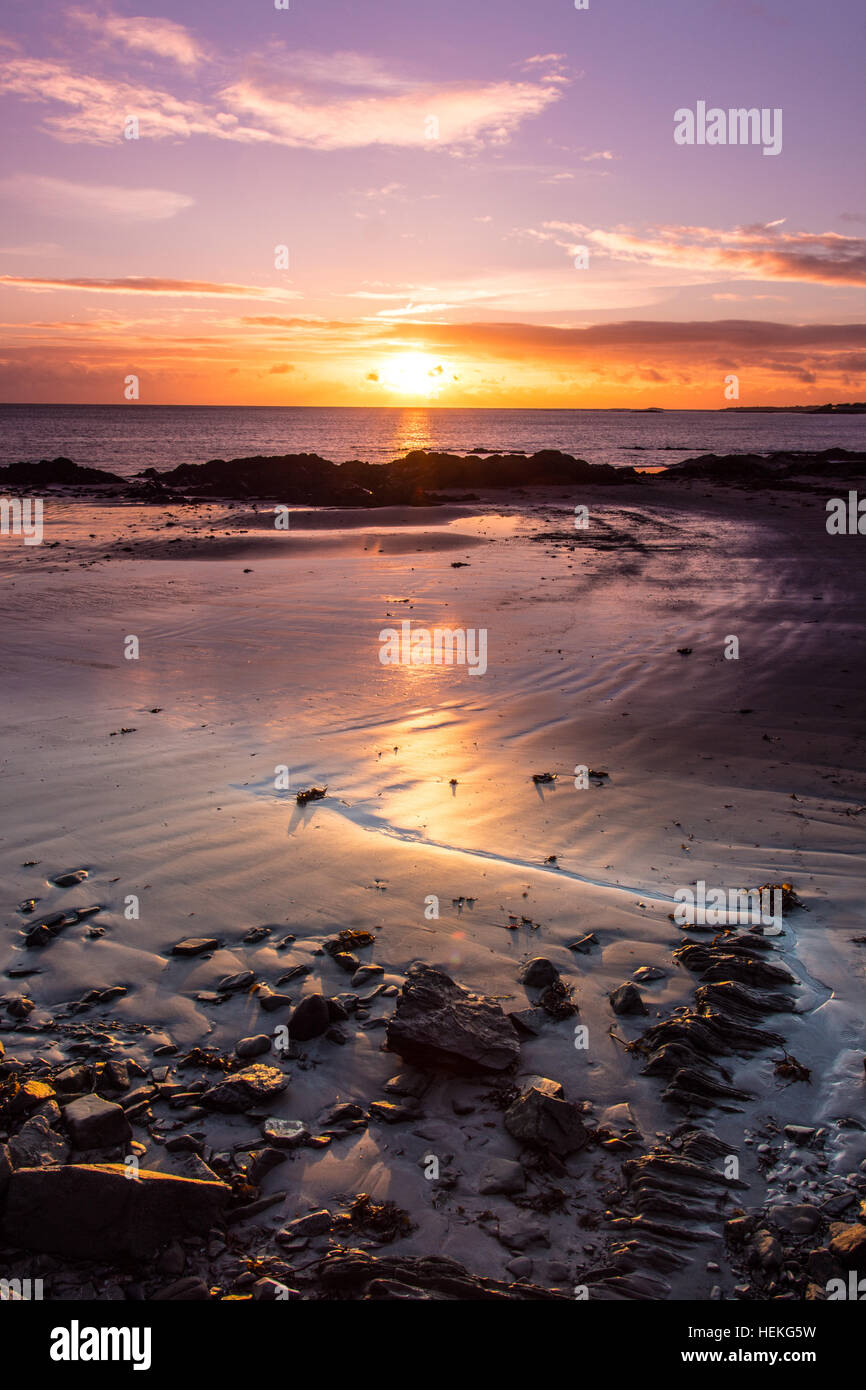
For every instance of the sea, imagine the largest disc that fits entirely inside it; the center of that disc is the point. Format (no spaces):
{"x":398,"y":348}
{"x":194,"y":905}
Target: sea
{"x":126,"y":439}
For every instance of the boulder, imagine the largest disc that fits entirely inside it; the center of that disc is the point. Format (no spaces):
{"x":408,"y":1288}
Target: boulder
{"x":94,"y":1123}
{"x":438,"y":1023}
{"x":94,"y":1212}
{"x":37,"y":1144}
{"x":542,"y":1118}
{"x":244,"y":1090}
{"x":310,"y":1019}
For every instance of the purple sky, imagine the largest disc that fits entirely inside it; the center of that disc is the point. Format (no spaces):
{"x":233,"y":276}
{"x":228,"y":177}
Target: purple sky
{"x":432,"y":170}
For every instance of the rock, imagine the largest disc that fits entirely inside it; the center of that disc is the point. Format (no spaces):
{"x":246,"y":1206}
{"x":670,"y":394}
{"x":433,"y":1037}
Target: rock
{"x":193,"y":1166}
{"x":627,"y":1000}
{"x":395,"y":1114}
{"x":541,"y":1118}
{"x":18,"y":1006}
{"x":37,"y":1144}
{"x":230,"y":984}
{"x":24,"y":1097}
{"x":345,"y":1113}
{"x":766,"y":1251}
{"x":263,"y":1161}
{"x":528,"y":1023}
{"x":94,"y":1123}
{"x":271,"y":1000}
{"x":245,"y":1089}
{"x":800,"y":1220}
{"x":184,"y":1290}
{"x":74,"y":1078}
{"x":285,"y":1134}
{"x":799,"y":1134}
{"x":347,"y":962}
{"x":356,"y":1274}
{"x":93,"y":1212}
{"x":195,"y":946}
{"x":254,"y":1046}
{"x":438,"y":1023}
{"x":848,"y":1244}
{"x":539,"y":972}
{"x":71,"y":879}
{"x":114,"y":1077}
{"x":645,"y":973}
{"x":821,"y":1266}
{"x":271,"y":1290}
{"x":365,"y":973}
{"x":310,"y":1019}
{"x":314,"y":1224}
{"x":584,"y":944}
{"x":408,"y":1083}
{"x":519,"y":1232}
{"x":501,"y":1175}
{"x":348,"y":941}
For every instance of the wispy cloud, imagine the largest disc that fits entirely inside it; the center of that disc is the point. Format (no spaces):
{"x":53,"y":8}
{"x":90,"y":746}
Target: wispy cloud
{"x":92,"y":108}
{"x":143,"y":284}
{"x":759,"y":252}
{"x":101,"y":202}
{"x":142,"y":34}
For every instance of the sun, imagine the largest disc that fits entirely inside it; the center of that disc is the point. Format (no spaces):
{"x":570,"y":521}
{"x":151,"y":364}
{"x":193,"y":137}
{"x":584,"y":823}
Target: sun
{"x":413,"y":374}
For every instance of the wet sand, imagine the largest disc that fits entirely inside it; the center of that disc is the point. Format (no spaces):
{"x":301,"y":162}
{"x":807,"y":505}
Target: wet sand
{"x":259,"y":650}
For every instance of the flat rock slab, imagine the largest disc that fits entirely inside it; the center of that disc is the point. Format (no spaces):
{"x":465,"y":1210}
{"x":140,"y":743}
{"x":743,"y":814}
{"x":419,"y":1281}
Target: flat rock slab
{"x":94,"y":1212}
{"x":438,"y":1023}
{"x":195,"y":946}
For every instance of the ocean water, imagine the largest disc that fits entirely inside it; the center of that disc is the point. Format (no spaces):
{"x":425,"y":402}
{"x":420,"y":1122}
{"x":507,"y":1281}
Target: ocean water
{"x":126,"y":439}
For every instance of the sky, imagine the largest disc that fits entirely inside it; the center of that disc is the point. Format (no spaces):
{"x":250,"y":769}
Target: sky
{"x":460,"y":203}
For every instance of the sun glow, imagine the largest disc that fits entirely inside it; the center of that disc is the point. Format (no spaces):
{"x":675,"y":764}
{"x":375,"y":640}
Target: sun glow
{"x":413,"y":374}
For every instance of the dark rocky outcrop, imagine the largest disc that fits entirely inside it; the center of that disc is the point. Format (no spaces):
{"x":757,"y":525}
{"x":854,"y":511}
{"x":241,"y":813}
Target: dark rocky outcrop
{"x":307,"y":479}
{"x":89,"y":1211}
{"x":354,"y":1274}
{"x":59,"y":472}
{"x":438,"y":1023}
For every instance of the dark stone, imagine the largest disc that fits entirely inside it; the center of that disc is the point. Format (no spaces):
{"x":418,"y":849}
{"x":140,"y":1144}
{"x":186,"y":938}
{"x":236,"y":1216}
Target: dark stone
{"x":94,"y":1123}
{"x":539,"y":972}
{"x":195,"y":946}
{"x":438,"y":1023}
{"x":542,"y":1118}
{"x":254,"y":1046}
{"x":89,"y":1211}
{"x":627,"y":1000}
{"x":245,"y":1089}
{"x":310,"y":1019}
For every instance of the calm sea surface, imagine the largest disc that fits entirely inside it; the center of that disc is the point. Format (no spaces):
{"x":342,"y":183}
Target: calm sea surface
{"x":125,"y":439}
